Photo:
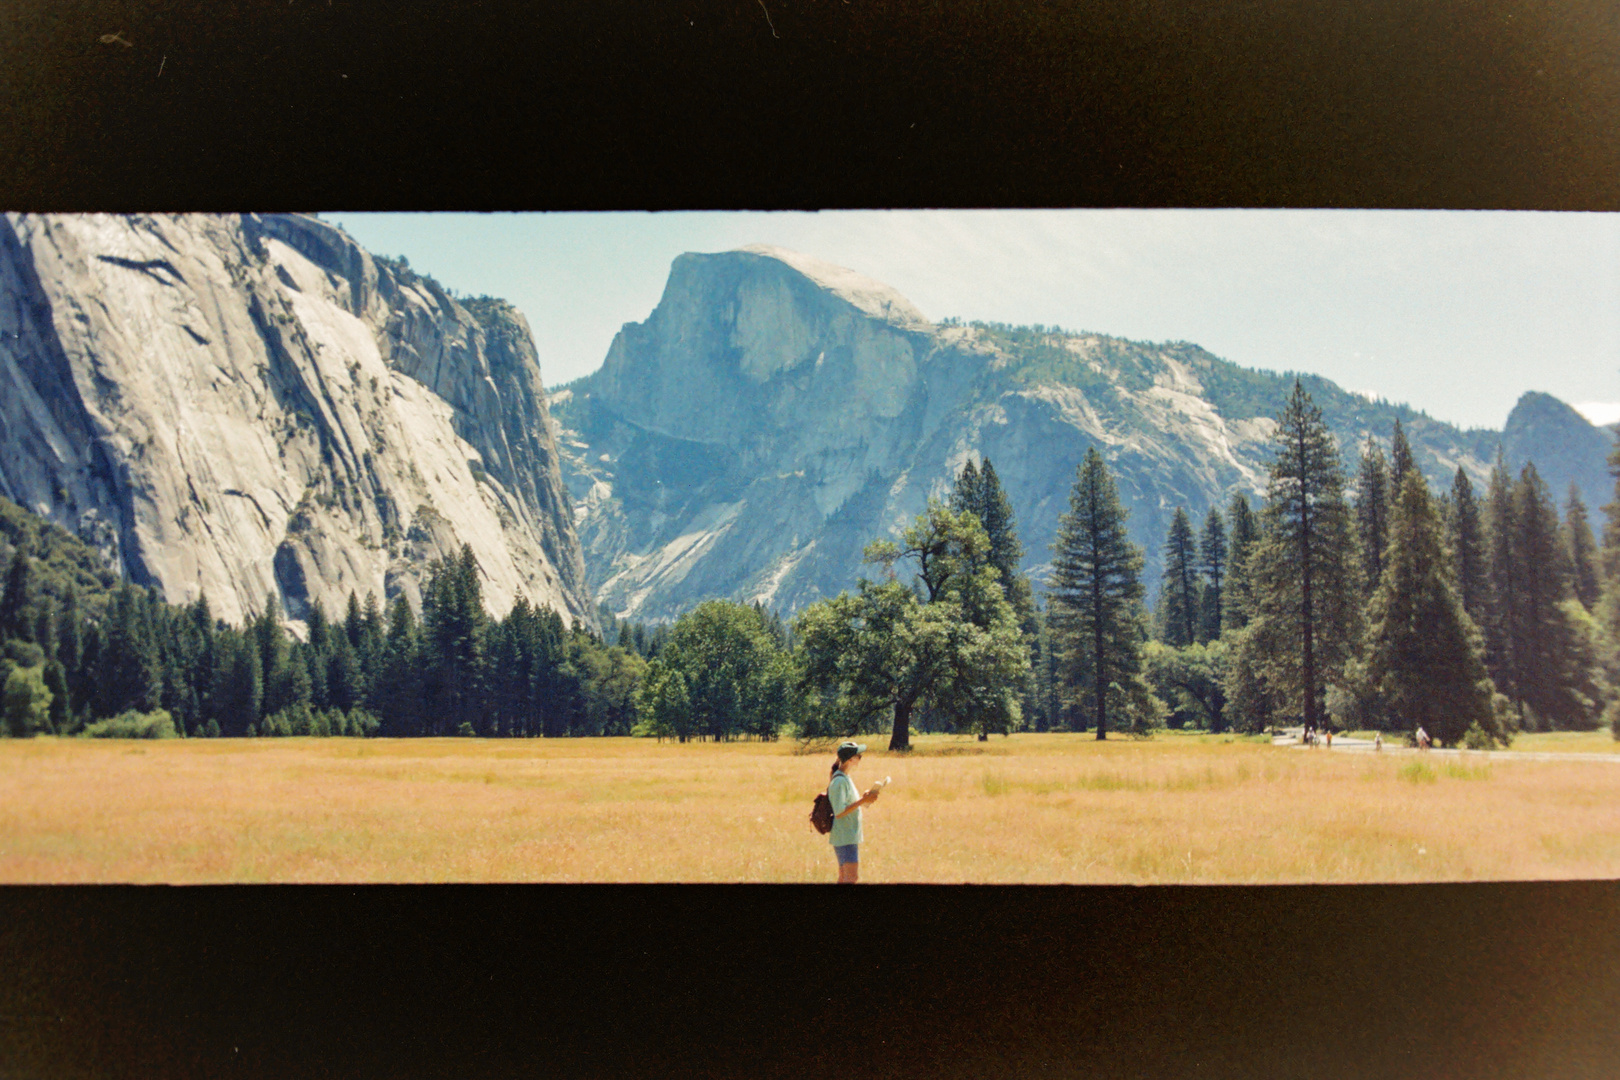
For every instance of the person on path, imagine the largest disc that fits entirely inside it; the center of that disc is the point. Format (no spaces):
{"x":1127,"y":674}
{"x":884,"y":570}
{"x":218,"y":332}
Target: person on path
{"x":1330,"y":738}
{"x":1378,"y":740}
{"x":846,"y":805}
{"x":1422,"y":738}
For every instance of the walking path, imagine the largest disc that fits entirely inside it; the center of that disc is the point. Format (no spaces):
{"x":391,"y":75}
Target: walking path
{"x":1294,"y":737}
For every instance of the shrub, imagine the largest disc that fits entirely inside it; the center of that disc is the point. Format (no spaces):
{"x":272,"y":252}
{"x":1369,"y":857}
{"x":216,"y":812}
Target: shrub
{"x":1477,"y":738}
{"x":1611,"y":716}
{"x":26,"y":702}
{"x":212,"y":730}
{"x":157,"y":724}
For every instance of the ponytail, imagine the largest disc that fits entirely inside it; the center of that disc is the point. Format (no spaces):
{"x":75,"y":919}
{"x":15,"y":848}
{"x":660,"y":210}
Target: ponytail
{"x":837,"y":762}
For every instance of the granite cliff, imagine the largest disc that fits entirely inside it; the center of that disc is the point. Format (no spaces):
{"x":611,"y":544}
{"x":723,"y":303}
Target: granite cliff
{"x":775,"y":413}
{"x":247,"y":405}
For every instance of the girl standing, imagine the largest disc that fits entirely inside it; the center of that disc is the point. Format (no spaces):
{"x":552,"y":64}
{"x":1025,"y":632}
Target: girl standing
{"x":846,"y":805}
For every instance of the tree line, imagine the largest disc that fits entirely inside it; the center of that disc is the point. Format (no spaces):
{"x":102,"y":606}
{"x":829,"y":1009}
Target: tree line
{"x":1370,"y":602}
{"x":1376,"y":604}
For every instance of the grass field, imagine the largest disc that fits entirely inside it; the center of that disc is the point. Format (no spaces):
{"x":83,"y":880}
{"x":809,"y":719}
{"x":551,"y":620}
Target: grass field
{"x":1030,"y":808}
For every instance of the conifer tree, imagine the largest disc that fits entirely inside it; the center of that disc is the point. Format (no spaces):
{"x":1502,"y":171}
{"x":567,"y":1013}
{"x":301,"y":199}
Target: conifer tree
{"x":1502,"y":581}
{"x":1095,"y":595}
{"x":1425,"y":660}
{"x":1372,"y":513}
{"x":1401,"y":461}
{"x":1554,"y":669}
{"x":17,"y":597}
{"x":1244,"y":531}
{"x":397,"y":695}
{"x":1306,"y":622}
{"x":1582,"y":548}
{"x":1212,"y":560}
{"x":1466,"y":540}
{"x":1178,"y":597}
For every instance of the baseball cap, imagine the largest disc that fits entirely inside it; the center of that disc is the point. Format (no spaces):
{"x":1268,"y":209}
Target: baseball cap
{"x":847,"y":750}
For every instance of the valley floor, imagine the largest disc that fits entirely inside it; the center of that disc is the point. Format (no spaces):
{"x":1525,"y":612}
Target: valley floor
{"x":1179,"y":808}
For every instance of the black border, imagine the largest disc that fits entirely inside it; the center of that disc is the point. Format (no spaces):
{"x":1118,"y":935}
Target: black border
{"x":624,"y":104}
{"x":609,"y":104}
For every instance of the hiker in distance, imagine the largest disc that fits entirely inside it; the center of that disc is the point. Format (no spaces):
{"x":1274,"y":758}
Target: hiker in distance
{"x":846,"y":807}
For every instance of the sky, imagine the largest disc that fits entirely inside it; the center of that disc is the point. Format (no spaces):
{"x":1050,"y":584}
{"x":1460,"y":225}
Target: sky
{"x":1455,"y":313}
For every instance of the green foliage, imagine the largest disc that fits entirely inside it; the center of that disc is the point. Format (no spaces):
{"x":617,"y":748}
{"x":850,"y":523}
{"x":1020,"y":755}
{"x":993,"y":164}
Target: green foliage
{"x":1306,"y":611}
{"x":951,"y":645}
{"x":721,"y":675}
{"x":1212,"y":562}
{"x":25,"y":707}
{"x":1424,"y":664}
{"x":1465,"y":537}
{"x":1581,"y":546}
{"x":1243,"y":531}
{"x":1192,"y":681}
{"x":1372,"y":514}
{"x":157,"y":724}
{"x":1096,"y":595}
{"x":1180,"y":595}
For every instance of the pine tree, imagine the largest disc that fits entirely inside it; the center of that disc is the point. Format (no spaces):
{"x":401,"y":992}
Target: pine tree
{"x":1425,"y":660}
{"x":17,"y":598}
{"x":1178,"y":598}
{"x":397,"y":695}
{"x":1096,"y":591}
{"x":1244,"y":531}
{"x":1502,"y":593}
{"x":1466,"y":540}
{"x":1306,"y":621}
{"x":1212,"y":561}
{"x":1372,"y":513}
{"x":1401,"y":461}
{"x":1553,"y":664}
{"x":1582,"y":548}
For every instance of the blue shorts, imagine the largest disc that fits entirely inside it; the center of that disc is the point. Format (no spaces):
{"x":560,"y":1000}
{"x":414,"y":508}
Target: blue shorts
{"x":847,"y":853}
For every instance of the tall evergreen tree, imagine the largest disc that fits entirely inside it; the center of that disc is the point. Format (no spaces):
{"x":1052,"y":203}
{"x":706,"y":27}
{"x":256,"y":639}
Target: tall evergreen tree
{"x":1306,"y":621}
{"x":1401,"y":461}
{"x":17,"y":597}
{"x":1372,"y":513}
{"x":1582,"y":548}
{"x":1212,"y":561}
{"x":1178,"y":597}
{"x":1243,"y":533}
{"x":397,"y":695}
{"x":1466,"y":540}
{"x":1096,"y":591}
{"x":1502,"y":579}
{"x":1555,"y":676}
{"x":1425,"y":659}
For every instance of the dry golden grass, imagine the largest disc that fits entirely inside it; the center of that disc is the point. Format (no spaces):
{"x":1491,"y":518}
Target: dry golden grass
{"x":1032,"y":808}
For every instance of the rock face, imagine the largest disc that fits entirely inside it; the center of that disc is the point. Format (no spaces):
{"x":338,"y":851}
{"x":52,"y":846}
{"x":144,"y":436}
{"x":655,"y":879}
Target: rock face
{"x":1566,"y":447}
{"x":254,"y":405}
{"x":774,"y":414}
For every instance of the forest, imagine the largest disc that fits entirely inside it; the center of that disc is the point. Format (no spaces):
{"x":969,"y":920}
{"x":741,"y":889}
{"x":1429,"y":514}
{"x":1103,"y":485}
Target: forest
{"x":1345,"y":599}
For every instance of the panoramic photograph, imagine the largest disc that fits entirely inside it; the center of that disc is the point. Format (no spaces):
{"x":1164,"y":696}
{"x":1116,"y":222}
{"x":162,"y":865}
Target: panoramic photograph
{"x":1004,"y":547}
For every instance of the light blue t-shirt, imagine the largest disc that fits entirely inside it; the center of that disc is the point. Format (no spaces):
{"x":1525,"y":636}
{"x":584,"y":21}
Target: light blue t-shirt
{"x":841,"y":793}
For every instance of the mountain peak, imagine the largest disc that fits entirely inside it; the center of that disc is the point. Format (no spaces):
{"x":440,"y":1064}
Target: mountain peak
{"x":872,"y":297}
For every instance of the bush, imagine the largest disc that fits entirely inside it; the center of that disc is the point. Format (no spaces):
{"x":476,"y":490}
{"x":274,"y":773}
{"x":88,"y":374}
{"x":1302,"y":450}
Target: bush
{"x":26,"y":703}
{"x":212,"y":730}
{"x":1477,"y":738}
{"x":157,"y":724}
{"x":1611,"y":716}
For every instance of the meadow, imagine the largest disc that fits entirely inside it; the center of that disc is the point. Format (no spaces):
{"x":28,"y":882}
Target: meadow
{"x":1178,"y":808}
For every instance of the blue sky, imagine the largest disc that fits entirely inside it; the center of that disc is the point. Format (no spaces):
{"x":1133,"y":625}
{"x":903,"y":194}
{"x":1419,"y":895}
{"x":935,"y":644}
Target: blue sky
{"x":1456,"y":313}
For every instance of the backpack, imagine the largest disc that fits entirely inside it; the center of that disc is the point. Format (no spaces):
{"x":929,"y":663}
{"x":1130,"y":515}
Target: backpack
{"x":821,"y":814}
